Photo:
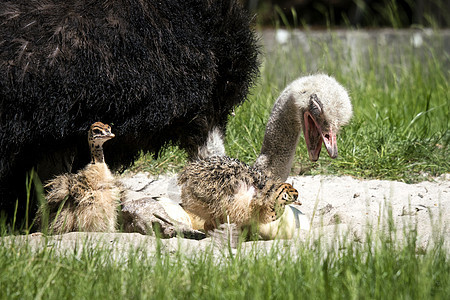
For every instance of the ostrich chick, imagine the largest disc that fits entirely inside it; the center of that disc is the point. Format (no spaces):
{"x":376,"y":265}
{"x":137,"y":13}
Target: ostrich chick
{"x":87,"y":200}
{"x":220,"y":189}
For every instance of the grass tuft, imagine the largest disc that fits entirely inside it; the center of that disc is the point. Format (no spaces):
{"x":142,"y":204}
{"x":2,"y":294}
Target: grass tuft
{"x":382,"y":266}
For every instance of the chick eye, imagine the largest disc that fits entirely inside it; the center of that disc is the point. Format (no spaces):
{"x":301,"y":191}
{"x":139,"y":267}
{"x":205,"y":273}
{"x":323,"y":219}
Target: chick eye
{"x":285,"y":196}
{"x":97,"y":131}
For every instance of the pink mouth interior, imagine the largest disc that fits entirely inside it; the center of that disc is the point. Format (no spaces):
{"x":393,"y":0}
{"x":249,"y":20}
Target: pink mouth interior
{"x":314,"y":138}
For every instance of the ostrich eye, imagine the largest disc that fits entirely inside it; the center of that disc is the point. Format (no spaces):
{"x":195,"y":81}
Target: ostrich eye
{"x":285,"y":197}
{"x":97,"y":131}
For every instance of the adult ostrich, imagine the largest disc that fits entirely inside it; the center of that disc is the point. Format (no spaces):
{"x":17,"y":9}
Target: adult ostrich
{"x":159,"y":71}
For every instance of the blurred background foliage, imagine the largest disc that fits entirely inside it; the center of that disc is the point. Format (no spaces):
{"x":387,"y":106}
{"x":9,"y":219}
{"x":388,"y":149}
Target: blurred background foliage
{"x":354,"y":13}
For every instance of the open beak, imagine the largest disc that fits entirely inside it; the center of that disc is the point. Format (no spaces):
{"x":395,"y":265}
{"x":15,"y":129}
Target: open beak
{"x":314,"y":136}
{"x":330,"y":142}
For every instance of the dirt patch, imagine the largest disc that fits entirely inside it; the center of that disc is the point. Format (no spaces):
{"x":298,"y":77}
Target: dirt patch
{"x":333,"y":206}
{"x":347,"y":204}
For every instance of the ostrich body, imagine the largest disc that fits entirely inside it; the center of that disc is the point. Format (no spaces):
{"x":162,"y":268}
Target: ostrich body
{"x":165,"y":72}
{"x":221,"y":189}
{"x":317,"y":105}
{"x":87,"y":200}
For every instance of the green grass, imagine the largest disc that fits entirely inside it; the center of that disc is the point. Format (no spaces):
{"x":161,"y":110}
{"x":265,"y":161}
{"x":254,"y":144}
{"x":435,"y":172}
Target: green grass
{"x":170,"y":160}
{"x":400,"y":128}
{"x":380,"y":268}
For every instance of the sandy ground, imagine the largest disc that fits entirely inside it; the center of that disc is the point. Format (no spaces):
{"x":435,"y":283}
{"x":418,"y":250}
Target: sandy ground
{"x":332,"y":206}
{"x":348,"y":203}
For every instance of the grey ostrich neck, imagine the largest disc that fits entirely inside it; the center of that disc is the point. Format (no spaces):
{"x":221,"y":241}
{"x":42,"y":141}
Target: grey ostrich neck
{"x":282,"y":134}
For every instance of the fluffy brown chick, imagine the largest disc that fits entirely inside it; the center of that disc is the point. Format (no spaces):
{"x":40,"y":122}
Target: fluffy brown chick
{"x":220,"y":189}
{"x":87,"y":200}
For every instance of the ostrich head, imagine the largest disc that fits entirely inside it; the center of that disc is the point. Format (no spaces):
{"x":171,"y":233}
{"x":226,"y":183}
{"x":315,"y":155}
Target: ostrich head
{"x":98,"y":134}
{"x":317,"y":105}
{"x":325,"y":107}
